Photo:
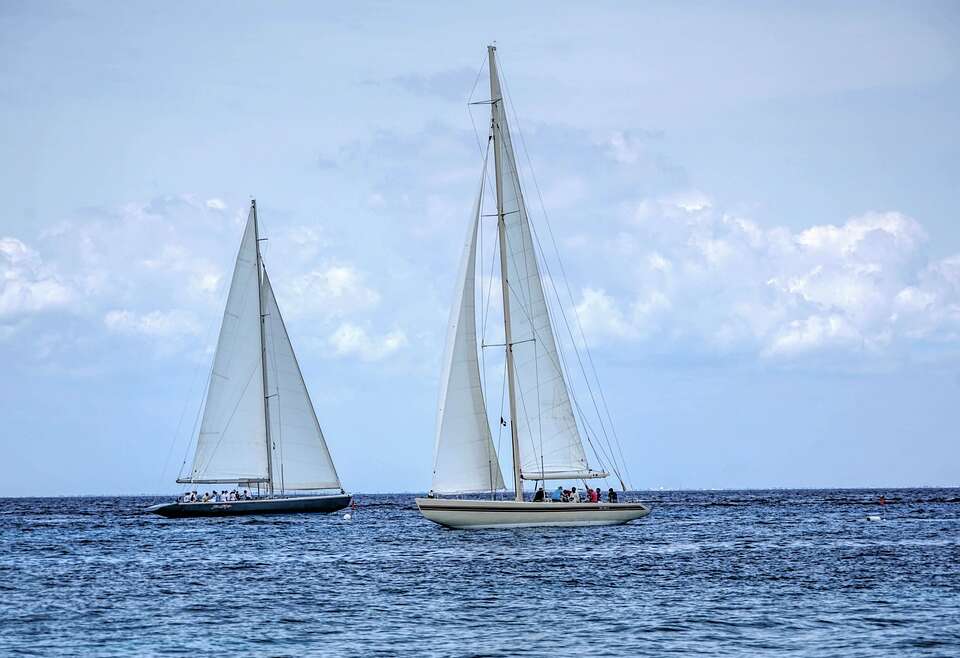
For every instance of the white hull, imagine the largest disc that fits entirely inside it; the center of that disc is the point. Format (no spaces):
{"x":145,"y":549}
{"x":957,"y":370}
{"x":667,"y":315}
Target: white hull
{"x":465,"y":514}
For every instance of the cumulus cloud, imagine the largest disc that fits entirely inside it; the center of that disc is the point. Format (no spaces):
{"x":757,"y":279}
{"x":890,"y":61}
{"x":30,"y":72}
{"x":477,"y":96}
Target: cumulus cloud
{"x":629,"y":148}
{"x":157,"y":271}
{"x":688,"y":272}
{"x":332,"y":291}
{"x":352,"y":340}
{"x":26,"y":284}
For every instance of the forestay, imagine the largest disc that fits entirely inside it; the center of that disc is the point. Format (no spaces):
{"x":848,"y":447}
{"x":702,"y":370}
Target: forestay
{"x":550,"y":445}
{"x":464,"y":457}
{"x":298,"y":444}
{"x":232,"y":441}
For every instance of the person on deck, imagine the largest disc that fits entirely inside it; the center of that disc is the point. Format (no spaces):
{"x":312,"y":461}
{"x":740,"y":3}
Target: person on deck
{"x":575,"y":496}
{"x":538,"y":497}
{"x":611,"y":496}
{"x":557,"y":494}
{"x":591,"y":497}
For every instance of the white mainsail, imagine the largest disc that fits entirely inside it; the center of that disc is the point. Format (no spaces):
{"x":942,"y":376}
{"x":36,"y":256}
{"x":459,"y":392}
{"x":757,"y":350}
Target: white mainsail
{"x":549,"y":441}
{"x":464,"y":457}
{"x":232,"y":444}
{"x":298,"y":445}
{"x":240,"y":417}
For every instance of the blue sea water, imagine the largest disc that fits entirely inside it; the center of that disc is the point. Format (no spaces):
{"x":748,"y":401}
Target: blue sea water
{"x":727,"y":573}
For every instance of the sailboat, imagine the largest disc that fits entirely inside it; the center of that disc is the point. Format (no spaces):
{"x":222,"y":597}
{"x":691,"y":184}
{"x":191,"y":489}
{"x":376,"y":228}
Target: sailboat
{"x":545,"y":439}
{"x":259,"y":431}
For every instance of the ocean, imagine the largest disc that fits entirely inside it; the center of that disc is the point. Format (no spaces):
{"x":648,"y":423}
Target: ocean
{"x":720,"y":573}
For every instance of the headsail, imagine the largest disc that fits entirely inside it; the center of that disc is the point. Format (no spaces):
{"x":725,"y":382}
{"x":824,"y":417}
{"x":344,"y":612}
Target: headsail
{"x":298,"y":444}
{"x":549,"y":441}
{"x":232,"y":446}
{"x":464,"y":457}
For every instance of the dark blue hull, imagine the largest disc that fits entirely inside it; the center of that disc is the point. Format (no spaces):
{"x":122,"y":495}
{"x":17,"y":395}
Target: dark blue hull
{"x":292,"y":505}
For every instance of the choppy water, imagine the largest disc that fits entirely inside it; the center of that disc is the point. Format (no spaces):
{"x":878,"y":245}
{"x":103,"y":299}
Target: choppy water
{"x":797,"y":573}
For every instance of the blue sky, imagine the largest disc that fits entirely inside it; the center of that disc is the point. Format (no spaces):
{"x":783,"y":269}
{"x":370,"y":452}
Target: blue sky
{"x":755,"y":207}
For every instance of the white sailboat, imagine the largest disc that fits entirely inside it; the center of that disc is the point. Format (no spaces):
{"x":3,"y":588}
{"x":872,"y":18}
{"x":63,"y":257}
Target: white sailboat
{"x":546,"y":443}
{"x":259,"y":430}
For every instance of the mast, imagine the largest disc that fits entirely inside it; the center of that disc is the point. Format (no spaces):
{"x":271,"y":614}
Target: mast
{"x":263,"y":350}
{"x":496,"y":99}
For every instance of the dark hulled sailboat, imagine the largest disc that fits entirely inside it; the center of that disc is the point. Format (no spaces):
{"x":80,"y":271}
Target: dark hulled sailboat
{"x":259,"y":430}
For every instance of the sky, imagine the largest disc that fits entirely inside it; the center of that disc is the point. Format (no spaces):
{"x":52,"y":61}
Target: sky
{"x":755,"y":207}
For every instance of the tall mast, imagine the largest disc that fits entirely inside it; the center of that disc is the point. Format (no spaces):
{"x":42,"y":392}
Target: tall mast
{"x":496,"y":100}
{"x":263,"y":349}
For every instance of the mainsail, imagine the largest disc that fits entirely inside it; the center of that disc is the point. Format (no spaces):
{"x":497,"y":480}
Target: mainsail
{"x":232,"y":441}
{"x":259,"y":425}
{"x":298,"y":444}
{"x":549,"y":441}
{"x":464,"y":457}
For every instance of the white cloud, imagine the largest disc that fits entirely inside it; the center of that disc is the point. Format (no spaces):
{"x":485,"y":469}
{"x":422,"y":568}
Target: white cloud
{"x":26,"y":284}
{"x":351,"y":340}
{"x":155,"y":324}
{"x":600,"y":317}
{"x":203,"y":277}
{"x":813,"y":333}
{"x":623,"y":149}
{"x":216,"y":204}
{"x":333,"y":291}
{"x":711,"y":280}
{"x":158,"y":270}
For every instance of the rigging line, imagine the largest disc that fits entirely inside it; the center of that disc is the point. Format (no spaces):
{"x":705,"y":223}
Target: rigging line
{"x":194,"y":430}
{"x":469,"y":103}
{"x":176,"y":432}
{"x":569,"y":293}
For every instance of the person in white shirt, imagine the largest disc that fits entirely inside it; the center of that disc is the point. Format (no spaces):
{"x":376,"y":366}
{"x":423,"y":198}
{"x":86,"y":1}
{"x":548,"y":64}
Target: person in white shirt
{"x":575,"y":496}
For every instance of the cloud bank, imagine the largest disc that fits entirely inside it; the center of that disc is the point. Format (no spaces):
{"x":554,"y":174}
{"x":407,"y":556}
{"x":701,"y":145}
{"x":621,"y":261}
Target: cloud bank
{"x":685,"y":273}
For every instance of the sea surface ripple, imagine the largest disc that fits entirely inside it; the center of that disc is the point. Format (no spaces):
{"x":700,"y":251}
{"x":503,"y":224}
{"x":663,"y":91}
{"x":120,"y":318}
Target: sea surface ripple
{"x":723,"y":573}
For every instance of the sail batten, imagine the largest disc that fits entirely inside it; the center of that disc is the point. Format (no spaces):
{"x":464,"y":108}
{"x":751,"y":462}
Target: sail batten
{"x":465,"y":460}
